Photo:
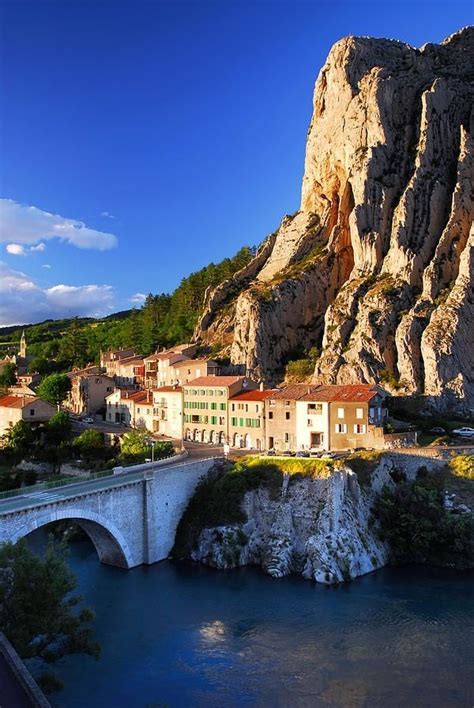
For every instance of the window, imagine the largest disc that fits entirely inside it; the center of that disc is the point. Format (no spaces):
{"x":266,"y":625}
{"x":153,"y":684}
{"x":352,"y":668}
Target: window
{"x":233,"y":406}
{"x":310,"y":422}
{"x":210,"y":392}
{"x":270,"y":415}
{"x":359,"y":413}
{"x":241,"y":422}
{"x":233,"y":421}
{"x":221,"y":420}
{"x":256,"y":408}
{"x":271,"y":402}
{"x":287,"y":437}
{"x":138,"y":410}
{"x":341,"y":428}
{"x":315,"y":408}
{"x":32,"y":411}
{"x":287,"y":403}
{"x":213,"y":420}
{"x":246,"y":407}
{"x":213,"y":406}
{"x":359,"y":429}
{"x":222,"y":406}
{"x":340,"y":412}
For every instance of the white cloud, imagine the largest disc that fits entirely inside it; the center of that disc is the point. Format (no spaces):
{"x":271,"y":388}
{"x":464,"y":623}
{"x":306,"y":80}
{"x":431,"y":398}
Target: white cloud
{"x":46,"y":265}
{"x":107,"y":214}
{"x":15,"y":249}
{"x":29,"y":225}
{"x":138,"y":298}
{"x":23,"y":301}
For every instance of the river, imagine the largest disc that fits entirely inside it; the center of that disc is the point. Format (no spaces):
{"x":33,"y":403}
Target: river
{"x":177,"y":634}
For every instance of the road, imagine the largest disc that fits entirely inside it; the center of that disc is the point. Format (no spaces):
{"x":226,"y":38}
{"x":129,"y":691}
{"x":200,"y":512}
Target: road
{"x":32,"y":498}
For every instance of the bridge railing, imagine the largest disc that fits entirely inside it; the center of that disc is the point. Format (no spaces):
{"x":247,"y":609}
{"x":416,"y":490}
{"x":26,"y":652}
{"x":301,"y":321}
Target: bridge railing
{"x":62,"y":482}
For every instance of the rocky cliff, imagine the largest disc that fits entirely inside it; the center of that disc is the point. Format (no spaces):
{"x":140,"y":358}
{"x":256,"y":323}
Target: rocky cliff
{"x":377,"y":266}
{"x":319,"y":527}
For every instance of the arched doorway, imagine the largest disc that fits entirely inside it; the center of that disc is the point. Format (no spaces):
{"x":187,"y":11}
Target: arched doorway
{"x":221,"y":437}
{"x":247,"y":442}
{"x":212,"y":437}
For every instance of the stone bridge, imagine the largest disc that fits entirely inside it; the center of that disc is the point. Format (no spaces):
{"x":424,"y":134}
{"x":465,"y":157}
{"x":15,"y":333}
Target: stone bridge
{"x":131,"y":517}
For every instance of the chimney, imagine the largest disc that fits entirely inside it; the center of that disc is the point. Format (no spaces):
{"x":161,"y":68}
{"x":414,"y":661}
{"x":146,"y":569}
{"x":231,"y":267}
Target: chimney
{"x":260,"y":388}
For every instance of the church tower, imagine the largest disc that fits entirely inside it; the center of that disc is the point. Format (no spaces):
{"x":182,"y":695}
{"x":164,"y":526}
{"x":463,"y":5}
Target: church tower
{"x":23,"y":345}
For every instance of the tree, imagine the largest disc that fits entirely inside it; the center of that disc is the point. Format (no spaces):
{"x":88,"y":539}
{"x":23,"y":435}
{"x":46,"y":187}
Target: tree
{"x":58,"y":429}
{"x":20,"y":439}
{"x":135,"y":442}
{"x":54,"y":388}
{"x":39,"y":365}
{"x":38,"y":614}
{"x":90,"y":445}
{"x":8,"y":375}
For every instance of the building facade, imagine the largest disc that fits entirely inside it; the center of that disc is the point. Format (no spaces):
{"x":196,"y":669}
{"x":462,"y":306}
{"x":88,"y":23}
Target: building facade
{"x":27,"y":408}
{"x":206,"y":405}
{"x":247,"y":418}
{"x":89,"y":390}
{"x":168,"y":411}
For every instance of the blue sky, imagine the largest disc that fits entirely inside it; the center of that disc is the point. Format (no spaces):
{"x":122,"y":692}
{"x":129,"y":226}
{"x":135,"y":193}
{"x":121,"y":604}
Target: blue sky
{"x":153,"y":137}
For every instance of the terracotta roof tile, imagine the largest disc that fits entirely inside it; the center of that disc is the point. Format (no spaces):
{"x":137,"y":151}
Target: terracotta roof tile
{"x":253,"y":395}
{"x":215,"y":381}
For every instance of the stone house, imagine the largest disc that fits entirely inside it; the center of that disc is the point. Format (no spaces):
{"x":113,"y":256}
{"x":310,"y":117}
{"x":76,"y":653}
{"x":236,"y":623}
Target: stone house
{"x":168,"y":411}
{"x":280,"y":410}
{"x":109,"y":360}
{"x":28,"y":408}
{"x":205,"y":406}
{"x":131,"y":408}
{"x":356,"y":415}
{"x":89,"y":390}
{"x":247,"y":419}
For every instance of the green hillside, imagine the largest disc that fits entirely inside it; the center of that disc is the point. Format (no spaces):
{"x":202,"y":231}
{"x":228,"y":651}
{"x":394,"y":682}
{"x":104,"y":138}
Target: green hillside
{"x":164,"y":320}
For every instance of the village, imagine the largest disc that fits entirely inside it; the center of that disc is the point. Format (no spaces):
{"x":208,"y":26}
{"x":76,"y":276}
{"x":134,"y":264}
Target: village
{"x":175,"y":394}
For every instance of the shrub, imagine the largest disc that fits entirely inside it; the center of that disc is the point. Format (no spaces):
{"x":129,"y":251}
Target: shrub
{"x":418,"y":529}
{"x":217,"y":501}
{"x":463,"y":466}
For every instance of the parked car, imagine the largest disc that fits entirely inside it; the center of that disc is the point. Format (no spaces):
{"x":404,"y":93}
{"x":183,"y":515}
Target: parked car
{"x":465,"y":432}
{"x":288,"y":453}
{"x":88,"y":420}
{"x":438,"y":430}
{"x":314,"y":452}
{"x":328,"y":455}
{"x":270,"y":452}
{"x":302,"y":453}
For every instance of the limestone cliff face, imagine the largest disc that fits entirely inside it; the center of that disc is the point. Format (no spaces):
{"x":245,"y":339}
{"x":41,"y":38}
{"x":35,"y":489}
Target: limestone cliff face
{"x":377,"y":266}
{"x":320,"y":528}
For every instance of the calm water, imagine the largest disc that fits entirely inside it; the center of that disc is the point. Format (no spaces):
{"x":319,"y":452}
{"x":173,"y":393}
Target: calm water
{"x":183,"y":635}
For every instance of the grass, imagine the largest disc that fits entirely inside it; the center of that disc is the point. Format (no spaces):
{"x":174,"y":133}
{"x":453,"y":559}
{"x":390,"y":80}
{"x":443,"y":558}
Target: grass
{"x":303,"y":466}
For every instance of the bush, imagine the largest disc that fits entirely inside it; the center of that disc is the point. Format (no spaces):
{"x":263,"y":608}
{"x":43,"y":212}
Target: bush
{"x":417,"y":528}
{"x":463,"y":466}
{"x":217,"y":501}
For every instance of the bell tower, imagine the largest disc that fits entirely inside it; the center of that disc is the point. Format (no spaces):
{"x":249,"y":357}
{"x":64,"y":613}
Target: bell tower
{"x":23,"y":345}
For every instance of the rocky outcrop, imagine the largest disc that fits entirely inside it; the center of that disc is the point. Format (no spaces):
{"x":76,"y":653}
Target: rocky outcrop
{"x":377,"y":266}
{"x":318,"y":527}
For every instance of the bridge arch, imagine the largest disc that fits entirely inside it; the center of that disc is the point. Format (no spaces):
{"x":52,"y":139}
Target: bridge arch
{"x":108,"y":541}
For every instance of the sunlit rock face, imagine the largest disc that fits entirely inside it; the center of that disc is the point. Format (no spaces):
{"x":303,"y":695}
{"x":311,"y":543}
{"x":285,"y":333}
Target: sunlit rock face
{"x":377,"y":266}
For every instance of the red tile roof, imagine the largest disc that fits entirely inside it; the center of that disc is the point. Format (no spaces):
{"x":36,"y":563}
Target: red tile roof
{"x":253,"y":395}
{"x":215,"y":381}
{"x":356,"y":393}
{"x":168,"y":389}
{"x":293,"y":392}
{"x":17,"y":401}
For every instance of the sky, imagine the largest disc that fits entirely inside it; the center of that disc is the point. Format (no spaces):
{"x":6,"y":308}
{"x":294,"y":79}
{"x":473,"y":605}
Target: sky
{"x":142,"y":139}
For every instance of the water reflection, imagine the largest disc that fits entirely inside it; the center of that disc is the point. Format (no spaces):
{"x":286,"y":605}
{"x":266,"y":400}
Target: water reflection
{"x":184,"y":635}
